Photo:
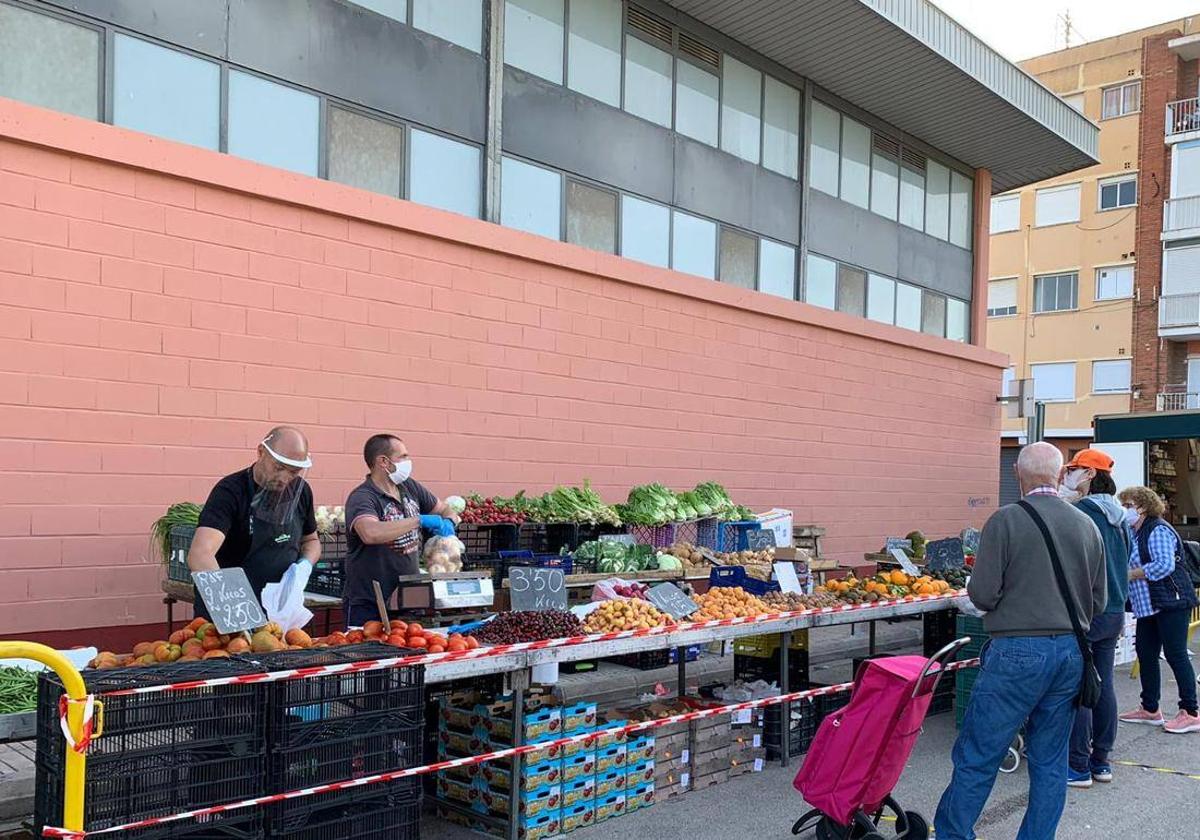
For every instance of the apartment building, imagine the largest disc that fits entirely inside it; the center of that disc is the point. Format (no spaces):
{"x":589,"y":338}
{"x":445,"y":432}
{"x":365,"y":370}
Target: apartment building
{"x":546,"y":240}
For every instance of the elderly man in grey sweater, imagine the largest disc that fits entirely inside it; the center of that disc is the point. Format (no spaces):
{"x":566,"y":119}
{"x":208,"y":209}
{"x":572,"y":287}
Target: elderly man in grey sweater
{"x":1032,"y":665}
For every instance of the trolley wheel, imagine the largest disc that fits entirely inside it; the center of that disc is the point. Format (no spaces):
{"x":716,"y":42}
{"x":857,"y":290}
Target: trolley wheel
{"x":918,"y":827}
{"x":805,"y":822}
{"x":1011,"y":761}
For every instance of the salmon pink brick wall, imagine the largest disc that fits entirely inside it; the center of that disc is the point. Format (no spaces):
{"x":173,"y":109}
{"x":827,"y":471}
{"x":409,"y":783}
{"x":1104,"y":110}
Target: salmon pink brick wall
{"x":162,"y":306}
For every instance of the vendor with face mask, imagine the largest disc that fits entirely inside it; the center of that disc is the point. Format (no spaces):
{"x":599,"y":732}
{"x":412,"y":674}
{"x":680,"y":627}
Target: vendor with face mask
{"x":260,"y":519}
{"x":384,"y":518}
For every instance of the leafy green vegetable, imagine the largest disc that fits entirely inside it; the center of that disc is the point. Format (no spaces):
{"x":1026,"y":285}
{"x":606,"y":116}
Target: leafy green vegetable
{"x":18,"y":690}
{"x":180,"y":513}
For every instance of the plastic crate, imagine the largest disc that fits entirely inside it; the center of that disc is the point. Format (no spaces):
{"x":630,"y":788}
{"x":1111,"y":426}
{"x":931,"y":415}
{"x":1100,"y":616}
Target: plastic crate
{"x":646,"y":660}
{"x":801,"y":730}
{"x":691,"y":654}
{"x":328,"y":577}
{"x":482,"y":540}
{"x":732,"y":535}
{"x":767,"y":668}
{"x":244,"y":824}
{"x":708,"y":533}
{"x":969,"y":626}
{"x":160,"y":753}
{"x":939,"y":628}
{"x":736,"y":576}
{"x":548,"y":538}
{"x":964,"y":684}
{"x":589,"y":533}
{"x":768,"y":645}
{"x":382,"y":811}
{"x":180,"y":542}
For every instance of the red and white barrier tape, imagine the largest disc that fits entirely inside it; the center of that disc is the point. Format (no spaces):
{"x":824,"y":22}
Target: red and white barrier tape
{"x":87,"y":726}
{"x":519,"y":647}
{"x":54,"y":831}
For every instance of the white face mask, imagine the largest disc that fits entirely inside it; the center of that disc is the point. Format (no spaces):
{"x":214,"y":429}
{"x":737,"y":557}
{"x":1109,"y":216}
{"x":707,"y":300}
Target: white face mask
{"x":1074,"y":479}
{"x":1131,"y":516}
{"x":402,"y":472}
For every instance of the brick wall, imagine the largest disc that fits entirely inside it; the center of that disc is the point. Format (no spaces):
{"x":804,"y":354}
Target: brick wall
{"x":162,"y":306}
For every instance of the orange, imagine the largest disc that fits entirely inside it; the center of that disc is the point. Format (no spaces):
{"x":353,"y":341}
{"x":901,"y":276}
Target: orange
{"x":456,"y":644}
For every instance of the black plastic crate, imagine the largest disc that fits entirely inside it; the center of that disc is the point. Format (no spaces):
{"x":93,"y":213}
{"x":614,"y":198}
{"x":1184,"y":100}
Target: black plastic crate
{"x":159,"y":753}
{"x":242,"y":824}
{"x":801,"y":731}
{"x":646,"y":660}
{"x":380,"y":811}
{"x":343,"y":750}
{"x":768,"y":668}
{"x":329,"y":575}
{"x":590,"y":533}
{"x":548,"y":538}
{"x":481,"y":540}
{"x":179,"y":542}
{"x":939,"y":630}
{"x":943,"y":696}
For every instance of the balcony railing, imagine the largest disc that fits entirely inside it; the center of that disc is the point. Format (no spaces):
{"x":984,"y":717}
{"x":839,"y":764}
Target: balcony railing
{"x":1178,"y":402}
{"x":1182,"y":213}
{"x":1179,"y":311}
{"x":1183,"y":115}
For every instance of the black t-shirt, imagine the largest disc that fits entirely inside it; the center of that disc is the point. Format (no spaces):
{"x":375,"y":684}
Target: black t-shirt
{"x":228,"y":511}
{"x":384,"y":563}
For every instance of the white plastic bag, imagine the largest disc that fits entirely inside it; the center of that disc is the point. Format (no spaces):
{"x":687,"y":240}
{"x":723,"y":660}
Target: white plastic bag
{"x":284,"y":601}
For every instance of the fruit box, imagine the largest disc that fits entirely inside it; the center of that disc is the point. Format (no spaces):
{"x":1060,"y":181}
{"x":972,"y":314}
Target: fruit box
{"x":710,"y":779}
{"x":534,"y":828}
{"x":453,"y":790}
{"x":581,"y":816}
{"x":611,"y":758}
{"x":534,"y":775}
{"x":580,"y":790}
{"x":610,"y":782}
{"x":639,"y":749}
{"x":453,"y":743}
{"x":578,"y":717}
{"x":574,"y":748}
{"x":607,"y":737}
{"x":611,"y":806}
{"x":542,"y":800}
{"x":752,"y":762}
{"x":654,"y":711}
{"x":639,"y":797}
{"x":540,"y":725}
{"x":641,"y":773}
{"x":576,"y":766}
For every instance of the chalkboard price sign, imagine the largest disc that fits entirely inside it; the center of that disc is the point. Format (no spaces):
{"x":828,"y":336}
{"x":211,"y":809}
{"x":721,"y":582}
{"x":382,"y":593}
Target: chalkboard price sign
{"x":758,"y":539}
{"x":231,"y":601}
{"x":897,"y":543}
{"x":670,"y":599}
{"x":944,"y":554}
{"x":536,"y":589}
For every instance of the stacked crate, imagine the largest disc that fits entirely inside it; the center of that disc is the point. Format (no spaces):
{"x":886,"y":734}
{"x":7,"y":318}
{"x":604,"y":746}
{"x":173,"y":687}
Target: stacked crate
{"x":964,"y":679}
{"x":940,"y":629}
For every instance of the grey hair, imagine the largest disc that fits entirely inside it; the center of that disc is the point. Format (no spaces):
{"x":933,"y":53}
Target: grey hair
{"x":1039,"y":463}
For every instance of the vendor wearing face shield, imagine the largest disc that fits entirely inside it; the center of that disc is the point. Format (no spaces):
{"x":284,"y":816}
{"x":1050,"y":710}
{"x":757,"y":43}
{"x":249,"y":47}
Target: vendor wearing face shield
{"x":384,"y":518}
{"x":260,"y":519}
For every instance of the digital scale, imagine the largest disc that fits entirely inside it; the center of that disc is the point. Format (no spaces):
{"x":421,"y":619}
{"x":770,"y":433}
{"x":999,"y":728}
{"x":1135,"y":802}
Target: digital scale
{"x":462,"y":593}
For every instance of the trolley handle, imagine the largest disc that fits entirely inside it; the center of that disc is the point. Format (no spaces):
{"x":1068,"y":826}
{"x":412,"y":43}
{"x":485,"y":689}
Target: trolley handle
{"x":938,"y":659}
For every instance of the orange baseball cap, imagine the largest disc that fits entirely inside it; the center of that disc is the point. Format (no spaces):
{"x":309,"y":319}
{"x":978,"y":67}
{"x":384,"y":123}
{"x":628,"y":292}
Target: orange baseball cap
{"x":1091,"y":458}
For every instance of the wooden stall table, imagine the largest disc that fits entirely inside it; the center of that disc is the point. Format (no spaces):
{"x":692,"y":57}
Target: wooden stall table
{"x":178,"y":591}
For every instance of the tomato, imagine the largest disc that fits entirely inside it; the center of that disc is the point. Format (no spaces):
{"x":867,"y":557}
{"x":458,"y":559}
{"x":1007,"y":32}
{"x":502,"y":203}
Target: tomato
{"x":373,"y":628}
{"x":436,"y":649}
{"x":398,"y":626}
{"x":354,"y":637}
{"x":456,"y":644}
{"x":397,"y":640}
{"x":455,"y":636}
{"x":472,"y":643}
{"x":415,"y":629}
{"x":416,"y":642}
{"x":435,"y":639}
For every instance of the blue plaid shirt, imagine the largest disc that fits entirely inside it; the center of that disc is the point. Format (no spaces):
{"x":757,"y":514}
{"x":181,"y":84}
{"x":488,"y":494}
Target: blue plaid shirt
{"x":1159,"y":565}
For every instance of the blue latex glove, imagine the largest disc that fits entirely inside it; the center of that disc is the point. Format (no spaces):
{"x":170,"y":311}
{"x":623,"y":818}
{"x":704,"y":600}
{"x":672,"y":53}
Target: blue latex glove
{"x":437,"y":525}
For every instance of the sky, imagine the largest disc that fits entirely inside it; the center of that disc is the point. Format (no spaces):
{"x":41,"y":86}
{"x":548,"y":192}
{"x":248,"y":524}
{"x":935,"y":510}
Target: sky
{"x":1019,"y":29}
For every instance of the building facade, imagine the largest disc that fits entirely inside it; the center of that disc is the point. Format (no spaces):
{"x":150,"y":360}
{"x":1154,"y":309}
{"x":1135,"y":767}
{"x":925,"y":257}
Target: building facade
{"x":543,"y":240}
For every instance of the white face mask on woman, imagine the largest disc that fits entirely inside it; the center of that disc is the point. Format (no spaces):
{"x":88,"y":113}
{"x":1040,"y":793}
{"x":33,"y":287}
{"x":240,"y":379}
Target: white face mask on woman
{"x":1131,"y":516}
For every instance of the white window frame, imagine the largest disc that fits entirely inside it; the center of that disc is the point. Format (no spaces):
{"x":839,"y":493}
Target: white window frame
{"x":1118,"y":180}
{"x":1121,"y":111}
{"x":1074,"y":381}
{"x":1129,"y":365}
{"x":1016,"y":307}
{"x":1076,"y":186}
{"x":1047,"y":274}
{"x":1100,"y":268}
{"x":1006,"y":199}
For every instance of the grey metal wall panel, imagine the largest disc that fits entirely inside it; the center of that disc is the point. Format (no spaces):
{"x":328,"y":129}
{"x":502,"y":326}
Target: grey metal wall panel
{"x":196,"y":24}
{"x":362,"y":57}
{"x":721,"y":186}
{"x":934,"y":264}
{"x":553,"y":125}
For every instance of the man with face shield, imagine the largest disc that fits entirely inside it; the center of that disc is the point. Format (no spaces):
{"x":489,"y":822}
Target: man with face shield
{"x":384,"y":518}
{"x":260,"y":519}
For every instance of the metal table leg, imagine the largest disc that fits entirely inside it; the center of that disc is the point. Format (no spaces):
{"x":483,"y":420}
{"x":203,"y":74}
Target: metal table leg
{"x":170,"y":602}
{"x":520,"y":682}
{"x":785,"y":708}
{"x":871,"y":641}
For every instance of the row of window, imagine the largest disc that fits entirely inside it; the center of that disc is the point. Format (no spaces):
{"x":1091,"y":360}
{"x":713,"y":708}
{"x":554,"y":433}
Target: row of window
{"x":1055,"y":381}
{"x":852,"y":290}
{"x":1059,"y":292}
{"x":869,"y":169}
{"x":659,"y":73}
{"x":457,"y":21}
{"x":547,"y":203}
{"x":1115,"y":101}
{"x":1061,"y":205}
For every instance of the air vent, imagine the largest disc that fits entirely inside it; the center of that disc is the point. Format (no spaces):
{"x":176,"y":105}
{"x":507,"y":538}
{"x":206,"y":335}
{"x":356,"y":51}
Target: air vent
{"x":699,"y":50}
{"x":649,"y":24}
{"x":885,"y":145}
{"x":913,"y":160}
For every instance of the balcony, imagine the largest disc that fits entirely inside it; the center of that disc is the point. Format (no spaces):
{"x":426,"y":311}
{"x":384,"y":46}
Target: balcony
{"x":1183,"y":120}
{"x":1180,"y":401}
{"x":1179,"y":317}
{"x":1181,"y":214}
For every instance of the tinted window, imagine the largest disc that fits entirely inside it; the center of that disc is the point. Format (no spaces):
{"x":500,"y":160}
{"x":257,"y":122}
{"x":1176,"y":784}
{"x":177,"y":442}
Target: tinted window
{"x":444,"y":173}
{"x":49,"y":62}
{"x":165,"y":92}
{"x":272,"y":123}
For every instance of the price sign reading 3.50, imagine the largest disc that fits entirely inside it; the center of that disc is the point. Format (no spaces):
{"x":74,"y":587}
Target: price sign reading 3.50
{"x":536,"y":589}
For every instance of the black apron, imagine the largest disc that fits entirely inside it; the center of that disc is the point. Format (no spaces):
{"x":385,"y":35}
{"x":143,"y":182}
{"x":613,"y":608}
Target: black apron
{"x":273,"y":550}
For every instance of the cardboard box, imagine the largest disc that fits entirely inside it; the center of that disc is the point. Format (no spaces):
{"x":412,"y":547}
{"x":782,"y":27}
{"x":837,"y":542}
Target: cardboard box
{"x":640,"y":748}
{"x":610,"y":782}
{"x":578,"y":717}
{"x":545,"y":799}
{"x":643,"y":772}
{"x":534,"y":828}
{"x":579,"y":791}
{"x":611,"y":758}
{"x":580,"y":816}
{"x":710,"y":779}
{"x":639,"y":797}
{"x":609,"y":738}
{"x":498,"y":777}
{"x":610,"y":806}
{"x":576,"y":766}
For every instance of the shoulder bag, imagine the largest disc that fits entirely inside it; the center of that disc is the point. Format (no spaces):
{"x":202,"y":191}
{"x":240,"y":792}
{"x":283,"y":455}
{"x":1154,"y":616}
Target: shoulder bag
{"x":1089,"y":687}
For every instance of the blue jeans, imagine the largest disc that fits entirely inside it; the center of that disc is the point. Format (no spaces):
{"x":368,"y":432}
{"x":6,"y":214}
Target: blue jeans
{"x":1095,"y":730}
{"x":1023,"y":680}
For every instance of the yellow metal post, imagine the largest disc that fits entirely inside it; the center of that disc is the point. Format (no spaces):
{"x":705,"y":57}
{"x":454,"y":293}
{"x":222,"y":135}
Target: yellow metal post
{"x":76,"y":690}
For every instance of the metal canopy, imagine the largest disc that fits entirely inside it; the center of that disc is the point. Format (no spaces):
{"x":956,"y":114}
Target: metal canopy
{"x":910,"y":64}
{"x":1163,"y":425}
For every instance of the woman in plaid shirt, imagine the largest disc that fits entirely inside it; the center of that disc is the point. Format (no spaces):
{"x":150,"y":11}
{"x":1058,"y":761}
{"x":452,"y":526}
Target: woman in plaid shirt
{"x":1158,"y":630}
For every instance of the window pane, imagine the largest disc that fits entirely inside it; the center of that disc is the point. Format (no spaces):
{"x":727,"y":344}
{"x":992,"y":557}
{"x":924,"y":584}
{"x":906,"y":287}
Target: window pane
{"x":908,"y":306}
{"x":738,"y":258}
{"x":777,"y":269}
{"x":885,"y":172}
{"x":533,"y":37}
{"x":957,"y":328}
{"x":457,"y":21}
{"x":273,"y":124}
{"x":530,"y":198}
{"x":1075,"y":100}
{"x":852,"y":290}
{"x":594,"y":50}
{"x":933,"y":314}
{"x":49,"y":62}
{"x":824,"y":149}
{"x":591,"y":217}
{"x":1002,"y":297}
{"x":881,"y":299}
{"x":395,"y":9}
{"x":1131,"y":96}
{"x":444,"y":173}
{"x":1114,"y":282}
{"x":1055,"y":292}
{"x":1185,"y":169}
{"x":1056,"y":205}
{"x":856,"y":162}
{"x":1111,"y":377}
{"x":696,"y":97}
{"x":645,"y":231}
{"x":960,"y":209}
{"x":937,"y":200}
{"x":1112,"y":102}
{"x":1053,"y":381}
{"x":365,"y":153}
{"x":166,"y":93}
{"x":1128,"y":193}
{"x":912,"y":198}
{"x":647,"y":82}
{"x":694,"y":245}
{"x":741,"y":105}
{"x":1108,"y":196}
{"x":1005,"y":214}
{"x":781,"y":128}
{"x":820,"y":281}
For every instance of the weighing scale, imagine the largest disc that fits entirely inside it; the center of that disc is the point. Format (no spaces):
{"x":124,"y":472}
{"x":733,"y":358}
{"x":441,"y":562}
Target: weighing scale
{"x":462,"y":593}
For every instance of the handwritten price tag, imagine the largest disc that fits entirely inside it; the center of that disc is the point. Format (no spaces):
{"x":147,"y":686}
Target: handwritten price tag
{"x":537,"y":589}
{"x":231,"y":601}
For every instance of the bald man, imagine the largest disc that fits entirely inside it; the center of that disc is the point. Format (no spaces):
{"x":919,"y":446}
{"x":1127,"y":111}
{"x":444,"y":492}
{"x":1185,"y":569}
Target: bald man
{"x":260,"y":519}
{"x":1032,"y":666}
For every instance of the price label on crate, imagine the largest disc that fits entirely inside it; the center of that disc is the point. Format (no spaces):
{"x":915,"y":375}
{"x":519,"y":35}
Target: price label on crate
{"x":789,"y":581}
{"x":905,"y":564}
{"x":536,"y":589}
{"x":670,"y":599}
{"x":759,"y":538}
{"x":231,"y":601}
{"x":623,"y":539}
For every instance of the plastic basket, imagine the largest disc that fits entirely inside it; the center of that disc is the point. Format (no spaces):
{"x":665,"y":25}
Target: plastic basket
{"x":767,"y":669}
{"x":801,"y":730}
{"x":708,"y":533}
{"x":328,"y":577}
{"x":244,"y":824}
{"x":969,"y":626}
{"x":483,"y":540}
{"x":938,"y":630}
{"x":730,"y":576}
{"x":768,"y":645}
{"x":383,"y":811}
{"x":732,"y":535}
{"x":646,"y":660}
{"x":964,"y":684}
{"x":180,"y":542}
{"x":548,"y":538}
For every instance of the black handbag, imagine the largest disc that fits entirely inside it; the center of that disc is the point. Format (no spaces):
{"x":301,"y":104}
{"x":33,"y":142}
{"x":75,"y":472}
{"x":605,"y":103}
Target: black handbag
{"x":1176,"y":591}
{"x":1089,"y":685}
